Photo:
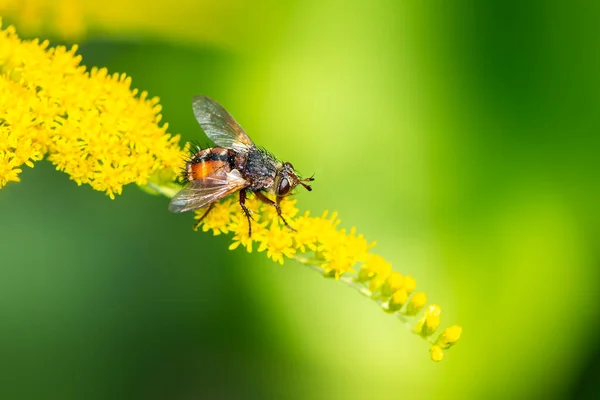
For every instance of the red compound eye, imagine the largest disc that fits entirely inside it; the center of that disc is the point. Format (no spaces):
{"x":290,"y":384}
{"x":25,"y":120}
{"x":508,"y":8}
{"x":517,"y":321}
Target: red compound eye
{"x":284,"y":187}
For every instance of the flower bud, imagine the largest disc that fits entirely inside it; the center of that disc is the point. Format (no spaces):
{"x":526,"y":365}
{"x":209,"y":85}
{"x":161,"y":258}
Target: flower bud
{"x":449,"y":336}
{"x":430,"y":321}
{"x":393,"y":282}
{"x":416,"y":303}
{"x":397,"y":300}
{"x":436,"y":352}
{"x":410,"y":284}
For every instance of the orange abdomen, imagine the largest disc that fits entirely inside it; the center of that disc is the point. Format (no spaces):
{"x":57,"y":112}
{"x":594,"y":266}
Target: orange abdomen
{"x":208,"y":162}
{"x":206,"y":168}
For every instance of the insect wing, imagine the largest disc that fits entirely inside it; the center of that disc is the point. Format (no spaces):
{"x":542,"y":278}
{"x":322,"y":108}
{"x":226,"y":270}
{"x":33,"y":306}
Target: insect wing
{"x":200,"y":193}
{"x":219,"y":125}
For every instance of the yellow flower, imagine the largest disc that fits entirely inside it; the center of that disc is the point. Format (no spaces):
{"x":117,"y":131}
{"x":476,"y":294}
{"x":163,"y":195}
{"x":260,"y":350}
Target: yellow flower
{"x":376,"y":284}
{"x":306,"y":237}
{"x":9,"y":170}
{"x":278,"y":242}
{"x":91,"y":125}
{"x":288,"y":210}
{"x":397,"y":300}
{"x":341,"y":250}
{"x":437,"y":354}
{"x":416,"y":304}
{"x":394,"y":282}
{"x":449,"y":336}
{"x":410,"y":284}
{"x":429,"y":323}
{"x":239,"y":225}
{"x":374,"y":266}
{"x":218,"y":218}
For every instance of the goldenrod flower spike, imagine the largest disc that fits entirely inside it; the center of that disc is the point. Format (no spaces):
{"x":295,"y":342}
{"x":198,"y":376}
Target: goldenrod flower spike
{"x":89,"y":124}
{"x":92,"y":126}
{"x":320,"y":244}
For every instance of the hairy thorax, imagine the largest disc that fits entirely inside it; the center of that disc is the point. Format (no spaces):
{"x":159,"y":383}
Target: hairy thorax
{"x":260,"y":170}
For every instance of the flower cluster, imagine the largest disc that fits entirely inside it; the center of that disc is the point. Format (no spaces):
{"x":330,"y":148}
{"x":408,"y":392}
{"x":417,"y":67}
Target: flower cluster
{"x":319,"y":243}
{"x":90,"y":124}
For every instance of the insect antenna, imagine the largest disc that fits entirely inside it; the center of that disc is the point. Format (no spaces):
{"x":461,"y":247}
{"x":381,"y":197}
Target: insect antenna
{"x":310,"y":179}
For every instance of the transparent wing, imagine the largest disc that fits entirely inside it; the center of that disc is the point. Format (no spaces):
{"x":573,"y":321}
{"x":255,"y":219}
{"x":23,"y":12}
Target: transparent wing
{"x":200,"y":193}
{"x":219,"y":125}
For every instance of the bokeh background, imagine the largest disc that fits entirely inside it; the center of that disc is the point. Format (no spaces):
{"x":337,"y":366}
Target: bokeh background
{"x":462,"y":136}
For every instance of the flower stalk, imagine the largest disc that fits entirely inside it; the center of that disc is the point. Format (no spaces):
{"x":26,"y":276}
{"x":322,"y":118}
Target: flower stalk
{"x":334,"y":253}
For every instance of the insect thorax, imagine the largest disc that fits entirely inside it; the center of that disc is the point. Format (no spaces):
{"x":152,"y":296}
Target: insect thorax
{"x":260,"y":169}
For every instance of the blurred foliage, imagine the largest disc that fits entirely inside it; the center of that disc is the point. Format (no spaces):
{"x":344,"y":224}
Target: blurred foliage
{"x":463,"y":137}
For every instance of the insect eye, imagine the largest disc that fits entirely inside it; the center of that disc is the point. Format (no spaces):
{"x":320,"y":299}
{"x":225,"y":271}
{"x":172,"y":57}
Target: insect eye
{"x":284,"y":187}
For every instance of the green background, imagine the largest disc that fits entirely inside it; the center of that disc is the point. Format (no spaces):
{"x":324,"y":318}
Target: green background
{"x":463,"y":138}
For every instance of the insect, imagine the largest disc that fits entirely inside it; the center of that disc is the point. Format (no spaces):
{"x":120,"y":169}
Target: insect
{"x":236,"y":165}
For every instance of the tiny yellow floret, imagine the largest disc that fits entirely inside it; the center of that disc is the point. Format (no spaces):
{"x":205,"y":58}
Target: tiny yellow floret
{"x":410,"y":284}
{"x":436,"y":352}
{"x":278,"y":242}
{"x":416,"y":303}
{"x":374,"y":265}
{"x":306,"y":237}
{"x":393,"y":282}
{"x":430,"y":321}
{"x":397,"y":300}
{"x":449,"y":336}
{"x":376,"y":284}
{"x":217,"y":219}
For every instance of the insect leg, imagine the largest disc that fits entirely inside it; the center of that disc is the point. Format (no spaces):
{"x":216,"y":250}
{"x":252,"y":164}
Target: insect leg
{"x":265,"y":199}
{"x":197,"y":224}
{"x":246,"y":211}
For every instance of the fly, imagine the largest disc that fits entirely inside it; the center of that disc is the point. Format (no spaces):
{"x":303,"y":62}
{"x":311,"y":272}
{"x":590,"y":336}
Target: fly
{"x":235,"y":165}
